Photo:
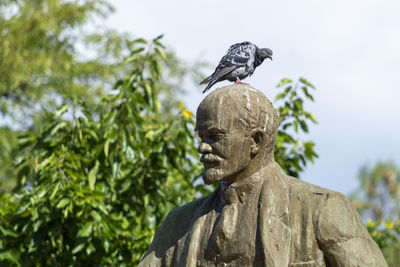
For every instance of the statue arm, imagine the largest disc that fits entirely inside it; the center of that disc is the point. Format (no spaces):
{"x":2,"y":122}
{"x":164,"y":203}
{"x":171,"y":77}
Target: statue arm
{"x":343,"y":237}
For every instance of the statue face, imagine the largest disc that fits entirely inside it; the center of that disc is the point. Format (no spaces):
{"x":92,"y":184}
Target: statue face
{"x":225,"y":149}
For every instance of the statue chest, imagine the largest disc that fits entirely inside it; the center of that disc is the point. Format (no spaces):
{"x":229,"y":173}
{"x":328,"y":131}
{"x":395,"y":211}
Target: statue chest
{"x":232,"y":236}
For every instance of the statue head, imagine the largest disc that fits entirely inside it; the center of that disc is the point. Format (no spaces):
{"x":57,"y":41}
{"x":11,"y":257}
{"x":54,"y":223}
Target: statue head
{"x":237,"y":125}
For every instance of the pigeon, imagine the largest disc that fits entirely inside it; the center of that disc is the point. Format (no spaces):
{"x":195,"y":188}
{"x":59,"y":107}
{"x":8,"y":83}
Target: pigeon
{"x":240,"y":61}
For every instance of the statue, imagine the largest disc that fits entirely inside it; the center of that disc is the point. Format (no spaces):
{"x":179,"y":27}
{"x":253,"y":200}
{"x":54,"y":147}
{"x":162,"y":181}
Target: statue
{"x":257,"y":216}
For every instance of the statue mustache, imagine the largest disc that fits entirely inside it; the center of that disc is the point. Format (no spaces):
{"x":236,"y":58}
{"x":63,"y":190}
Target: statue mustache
{"x":210,"y":158}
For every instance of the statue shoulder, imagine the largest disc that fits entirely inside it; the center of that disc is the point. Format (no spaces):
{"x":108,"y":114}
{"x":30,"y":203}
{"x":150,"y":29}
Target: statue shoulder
{"x":301,"y":186}
{"x":310,"y":193}
{"x":174,"y":227}
{"x":328,"y":207}
{"x":335,"y":219}
{"x":338,"y":227}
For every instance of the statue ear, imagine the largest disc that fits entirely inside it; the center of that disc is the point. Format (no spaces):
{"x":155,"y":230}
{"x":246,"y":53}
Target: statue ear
{"x":257,"y":140}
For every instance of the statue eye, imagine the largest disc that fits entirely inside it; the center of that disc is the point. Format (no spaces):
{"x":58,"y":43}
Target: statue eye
{"x":210,"y":135}
{"x":216,"y":136}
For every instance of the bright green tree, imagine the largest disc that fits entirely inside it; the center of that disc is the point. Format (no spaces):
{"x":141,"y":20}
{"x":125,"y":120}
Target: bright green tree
{"x":42,"y":64}
{"x":55,"y":52}
{"x":291,"y":152}
{"x":102,"y":182}
{"x":378,"y":201}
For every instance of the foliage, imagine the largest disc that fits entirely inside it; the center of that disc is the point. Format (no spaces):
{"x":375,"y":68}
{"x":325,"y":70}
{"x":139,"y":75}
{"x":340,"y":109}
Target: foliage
{"x":378,"y":196}
{"x":290,"y":152}
{"x":8,"y":152}
{"x":104,"y":181}
{"x":41,"y":63}
{"x":386,"y":234}
{"x":378,"y":201}
{"x":57,"y":52}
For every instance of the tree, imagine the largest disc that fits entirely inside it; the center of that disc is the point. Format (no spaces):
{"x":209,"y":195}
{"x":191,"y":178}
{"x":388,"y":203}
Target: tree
{"x":8,"y":152}
{"x":378,"y":201}
{"x":290,"y":151}
{"x":101,"y":185}
{"x":52,"y":53}
{"x":41,"y":64}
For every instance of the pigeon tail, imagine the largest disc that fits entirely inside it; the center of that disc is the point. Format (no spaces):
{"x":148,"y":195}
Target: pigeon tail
{"x":206,"y":80}
{"x":210,"y":85}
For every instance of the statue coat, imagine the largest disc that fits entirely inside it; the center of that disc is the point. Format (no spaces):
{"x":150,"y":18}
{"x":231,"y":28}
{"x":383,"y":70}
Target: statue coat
{"x":296,"y":224}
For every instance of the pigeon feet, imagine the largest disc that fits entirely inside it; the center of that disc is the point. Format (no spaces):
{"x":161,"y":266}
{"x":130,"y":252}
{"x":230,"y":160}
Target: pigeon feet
{"x":239,"y":81}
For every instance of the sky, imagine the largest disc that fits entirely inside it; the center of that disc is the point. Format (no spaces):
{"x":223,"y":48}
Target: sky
{"x":350,"y":50}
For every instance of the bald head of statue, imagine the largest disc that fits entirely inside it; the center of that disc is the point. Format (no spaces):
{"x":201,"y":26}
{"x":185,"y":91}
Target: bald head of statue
{"x":237,"y":125}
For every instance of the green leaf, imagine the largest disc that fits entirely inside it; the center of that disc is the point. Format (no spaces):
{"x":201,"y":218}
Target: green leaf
{"x":299,"y":104}
{"x":303,"y":125}
{"x":283,"y":82}
{"x":63,"y":202}
{"x":138,"y":50}
{"x":92,"y":175}
{"x":157,"y":42}
{"x":60,"y":111}
{"x":55,"y":190}
{"x":115,"y":169}
{"x":57,"y":127}
{"x":311,"y":117}
{"x":86,"y":230}
{"x":90,"y":249}
{"x":8,"y":232}
{"x":106,"y":147}
{"x":159,"y":37}
{"x":161,"y":53}
{"x":95,"y":215}
{"x":295,"y":126}
{"x":102,"y":209}
{"x":140,"y":41}
{"x":307,"y":94}
{"x":304,"y":81}
{"x":11,"y":255}
{"x":78,"y":248}
{"x":279,"y":96}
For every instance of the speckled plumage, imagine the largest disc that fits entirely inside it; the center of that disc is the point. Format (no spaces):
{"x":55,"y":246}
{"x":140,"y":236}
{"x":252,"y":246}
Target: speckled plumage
{"x":240,"y":61}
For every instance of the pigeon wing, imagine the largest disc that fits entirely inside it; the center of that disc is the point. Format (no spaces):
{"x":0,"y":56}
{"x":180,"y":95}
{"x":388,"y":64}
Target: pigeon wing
{"x":222,"y":69}
{"x":240,"y":54}
{"x":227,"y":64}
{"x":217,"y":76}
{"x":235,"y":46}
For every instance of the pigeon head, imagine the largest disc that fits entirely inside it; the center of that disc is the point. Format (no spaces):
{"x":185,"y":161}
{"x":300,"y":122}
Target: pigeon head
{"x":264,"y":53}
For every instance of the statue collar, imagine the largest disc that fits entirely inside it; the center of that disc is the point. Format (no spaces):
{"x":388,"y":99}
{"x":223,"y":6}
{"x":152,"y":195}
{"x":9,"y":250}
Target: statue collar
{"x":239,"y":190}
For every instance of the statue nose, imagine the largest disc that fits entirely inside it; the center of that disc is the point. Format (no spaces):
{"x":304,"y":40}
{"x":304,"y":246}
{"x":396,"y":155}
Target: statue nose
{"x":204,"y":148}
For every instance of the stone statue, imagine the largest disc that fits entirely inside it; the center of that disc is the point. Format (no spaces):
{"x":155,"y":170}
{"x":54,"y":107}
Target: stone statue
{"x":258,"y":216}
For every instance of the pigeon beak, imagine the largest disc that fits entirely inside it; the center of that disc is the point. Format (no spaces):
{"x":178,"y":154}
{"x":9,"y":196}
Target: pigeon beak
{"x":270,"y":57}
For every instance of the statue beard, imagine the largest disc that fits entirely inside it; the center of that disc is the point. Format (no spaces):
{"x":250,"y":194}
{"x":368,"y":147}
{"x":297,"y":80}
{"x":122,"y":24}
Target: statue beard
{"x":212,"y":175}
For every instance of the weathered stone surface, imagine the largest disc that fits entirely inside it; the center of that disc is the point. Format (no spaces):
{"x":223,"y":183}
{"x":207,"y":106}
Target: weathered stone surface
{"x":258,"y":216}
